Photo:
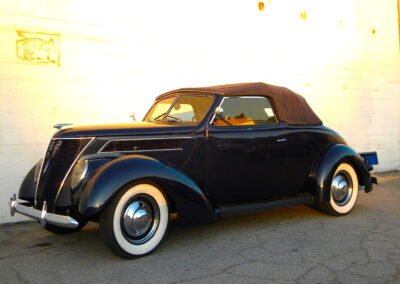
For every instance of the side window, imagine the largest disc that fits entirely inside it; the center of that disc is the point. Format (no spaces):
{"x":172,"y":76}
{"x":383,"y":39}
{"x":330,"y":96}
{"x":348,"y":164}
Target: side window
{"x":245,"y":111}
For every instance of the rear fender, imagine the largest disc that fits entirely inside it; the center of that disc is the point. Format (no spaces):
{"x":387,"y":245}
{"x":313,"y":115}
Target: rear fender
{"x":189,"y":201}
{"x":322,"y":171}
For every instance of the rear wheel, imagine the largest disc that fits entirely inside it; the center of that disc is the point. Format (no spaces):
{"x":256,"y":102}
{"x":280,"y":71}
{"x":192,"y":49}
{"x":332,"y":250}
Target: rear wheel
{"x":136,"y":221}
{"x":343,"y":191}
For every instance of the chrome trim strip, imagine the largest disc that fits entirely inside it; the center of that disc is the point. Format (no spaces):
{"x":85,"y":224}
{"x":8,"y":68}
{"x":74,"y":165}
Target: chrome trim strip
{"x":142,"y":138}
{"x":72,"y":165}
{"x":144,"y":151}
{"x":42,"y":216}
{"x":77,"y":138}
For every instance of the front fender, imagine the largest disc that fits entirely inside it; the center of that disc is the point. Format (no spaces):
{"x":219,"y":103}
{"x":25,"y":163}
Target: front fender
{"x":28,"y":187}
{"x":190,"y":203}
{"x":322,"y":171}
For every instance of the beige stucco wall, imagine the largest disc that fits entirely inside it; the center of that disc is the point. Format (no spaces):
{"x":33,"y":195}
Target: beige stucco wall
{"x":116,"y":56}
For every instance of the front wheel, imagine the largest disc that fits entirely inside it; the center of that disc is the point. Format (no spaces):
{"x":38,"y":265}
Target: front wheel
{"x":136,"y":221}
{"x":343,"y":191}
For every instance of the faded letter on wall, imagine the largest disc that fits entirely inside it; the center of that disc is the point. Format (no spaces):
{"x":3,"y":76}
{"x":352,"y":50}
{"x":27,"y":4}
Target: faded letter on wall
{"x":39,"y":48}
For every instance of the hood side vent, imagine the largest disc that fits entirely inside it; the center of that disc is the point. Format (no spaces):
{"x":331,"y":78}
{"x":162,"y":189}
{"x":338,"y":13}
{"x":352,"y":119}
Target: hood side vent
{"x":144,"y":145}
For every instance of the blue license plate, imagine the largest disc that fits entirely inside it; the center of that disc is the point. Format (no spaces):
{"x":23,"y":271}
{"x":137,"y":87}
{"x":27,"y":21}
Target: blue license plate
{"x":370,"y":158}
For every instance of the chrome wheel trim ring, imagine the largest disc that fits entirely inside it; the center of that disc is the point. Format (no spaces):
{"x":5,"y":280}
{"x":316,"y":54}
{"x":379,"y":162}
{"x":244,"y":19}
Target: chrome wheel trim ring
{"x":139,"y":219}
{"x":342,"y":188}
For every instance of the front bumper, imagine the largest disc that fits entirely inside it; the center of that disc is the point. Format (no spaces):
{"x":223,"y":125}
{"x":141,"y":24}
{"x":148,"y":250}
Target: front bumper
{"x":42,"y":215}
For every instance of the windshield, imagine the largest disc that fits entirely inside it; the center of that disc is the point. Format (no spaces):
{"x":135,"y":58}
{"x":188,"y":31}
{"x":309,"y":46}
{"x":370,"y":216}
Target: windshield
{"x":180,"y":109}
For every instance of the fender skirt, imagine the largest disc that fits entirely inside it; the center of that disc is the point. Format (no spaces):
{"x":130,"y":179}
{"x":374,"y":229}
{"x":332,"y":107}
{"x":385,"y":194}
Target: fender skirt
{"x":183,"y":193}
{"x":323,"y":169}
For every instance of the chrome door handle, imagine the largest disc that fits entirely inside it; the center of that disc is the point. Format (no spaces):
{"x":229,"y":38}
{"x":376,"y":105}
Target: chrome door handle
{"x":281,"y":140}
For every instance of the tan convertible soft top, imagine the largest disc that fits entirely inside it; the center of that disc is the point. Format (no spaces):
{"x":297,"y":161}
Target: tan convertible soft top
{"x":289,"y":106}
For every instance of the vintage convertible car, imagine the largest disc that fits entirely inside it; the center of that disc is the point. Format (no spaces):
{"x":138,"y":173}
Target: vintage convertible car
{"x":199,"y":154}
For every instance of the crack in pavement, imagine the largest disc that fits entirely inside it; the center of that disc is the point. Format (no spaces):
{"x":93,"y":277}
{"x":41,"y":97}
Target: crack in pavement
{"x":27,"y":254}
{"x":18,"y":274}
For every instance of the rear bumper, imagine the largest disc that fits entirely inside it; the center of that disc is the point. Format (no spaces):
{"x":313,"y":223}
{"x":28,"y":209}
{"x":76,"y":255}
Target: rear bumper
{"x":42,"y":215}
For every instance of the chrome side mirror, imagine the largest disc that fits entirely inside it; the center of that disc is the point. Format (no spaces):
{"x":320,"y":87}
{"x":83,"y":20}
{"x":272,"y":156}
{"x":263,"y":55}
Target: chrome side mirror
{"x":219,"y":111}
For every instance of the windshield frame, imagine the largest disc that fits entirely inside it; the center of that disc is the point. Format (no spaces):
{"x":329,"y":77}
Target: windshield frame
{"x":162,"y":119}
{"x":178,"y":95}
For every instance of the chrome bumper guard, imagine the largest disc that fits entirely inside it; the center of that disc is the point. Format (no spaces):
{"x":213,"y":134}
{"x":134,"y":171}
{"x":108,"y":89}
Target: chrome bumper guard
{"x":42,"y":215}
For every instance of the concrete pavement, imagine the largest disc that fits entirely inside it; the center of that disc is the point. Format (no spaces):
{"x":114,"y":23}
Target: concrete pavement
{"x":289,"y":245}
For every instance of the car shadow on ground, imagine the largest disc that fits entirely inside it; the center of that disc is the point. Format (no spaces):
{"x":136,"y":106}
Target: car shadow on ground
{"x":88,"y":240}
{"x":31,"y":238}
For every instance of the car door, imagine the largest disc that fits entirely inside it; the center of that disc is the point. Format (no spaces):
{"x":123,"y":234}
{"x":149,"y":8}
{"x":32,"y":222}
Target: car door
{"x":246,"y":151}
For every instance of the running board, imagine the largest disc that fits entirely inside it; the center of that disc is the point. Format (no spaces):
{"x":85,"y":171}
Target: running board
{"x":225,"y":210}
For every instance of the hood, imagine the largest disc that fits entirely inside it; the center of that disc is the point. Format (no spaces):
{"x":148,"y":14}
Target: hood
{"x":122,"y":129}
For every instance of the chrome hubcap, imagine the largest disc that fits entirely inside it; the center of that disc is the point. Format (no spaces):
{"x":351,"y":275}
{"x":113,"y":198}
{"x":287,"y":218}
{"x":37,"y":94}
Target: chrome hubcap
{"x":341,"y":188}
{"x":139,"y":219}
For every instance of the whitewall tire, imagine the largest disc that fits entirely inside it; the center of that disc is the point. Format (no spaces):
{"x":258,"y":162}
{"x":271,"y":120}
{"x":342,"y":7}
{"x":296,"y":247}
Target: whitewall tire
{"x":343,"y":190}
{"x":136,"y":221}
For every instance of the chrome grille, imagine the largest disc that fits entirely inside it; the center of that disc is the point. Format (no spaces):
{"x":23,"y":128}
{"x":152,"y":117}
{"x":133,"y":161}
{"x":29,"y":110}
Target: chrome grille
{"x":59,"y":158}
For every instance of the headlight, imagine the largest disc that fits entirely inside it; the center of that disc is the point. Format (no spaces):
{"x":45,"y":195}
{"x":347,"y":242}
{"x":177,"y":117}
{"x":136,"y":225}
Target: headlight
{"x":79,"y":173}
{"x":37,"y":170}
